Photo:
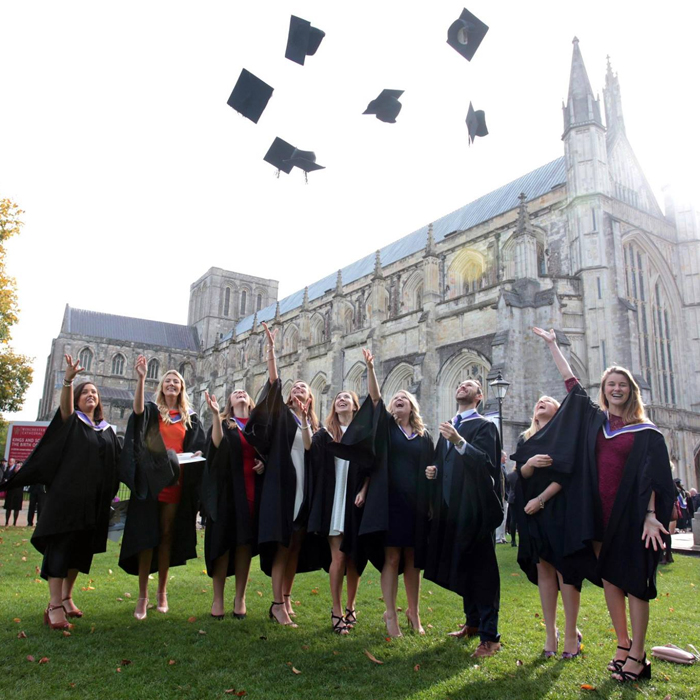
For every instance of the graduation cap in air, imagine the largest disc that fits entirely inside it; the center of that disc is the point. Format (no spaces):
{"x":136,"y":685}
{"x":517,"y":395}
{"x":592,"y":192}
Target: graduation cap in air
{"x":303,"y":40}
{"x":386,"y":107}
{"x":305,"y":160}
{"x":466,"y":34}
{"x":278,"y":154}
{"x":250,"y":96}
{"x":476,"y":123}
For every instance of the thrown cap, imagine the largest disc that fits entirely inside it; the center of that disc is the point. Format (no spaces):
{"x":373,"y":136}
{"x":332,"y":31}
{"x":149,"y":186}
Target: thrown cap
{"x":278,"y":155}
{"x":466,"y":33}
{"x":476,"y":123}
{"x":250,"y":96}
{"x":303,"y":40}
{"x":305,"y":160}
{"x":386,"y":107}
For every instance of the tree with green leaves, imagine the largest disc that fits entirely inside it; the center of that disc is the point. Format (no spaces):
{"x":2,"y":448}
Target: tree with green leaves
{"x":15,"y":370}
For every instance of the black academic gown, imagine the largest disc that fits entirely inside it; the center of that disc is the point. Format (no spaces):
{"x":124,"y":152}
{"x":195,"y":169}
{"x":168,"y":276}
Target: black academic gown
{"x":145,"y":467}
{"x":357,"y":447}
{"x":460,"y":555}
{"x":624,"y":561}
{"x":80,"y":484}
{"x":380,"y":491}
{"x":271,"y":429}
{"x":225,"y":502}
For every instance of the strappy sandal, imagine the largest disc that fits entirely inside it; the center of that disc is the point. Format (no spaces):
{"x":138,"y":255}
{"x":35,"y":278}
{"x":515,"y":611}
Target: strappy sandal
{"x":350,"y":618}
{"x":289,"y":595}
{"x":550,"y":654}
{"x":644,"y":674}
{"x":568,"y":654}
{"x":339,"y":624}
{"x":615,"y":665}
{"x":72,"y":613}
{"x":64,"y":624}
{"x":274,"y":619}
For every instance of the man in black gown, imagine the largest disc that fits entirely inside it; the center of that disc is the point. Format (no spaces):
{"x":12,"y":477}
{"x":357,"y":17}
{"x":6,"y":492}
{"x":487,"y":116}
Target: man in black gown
{"x":470,"y":509}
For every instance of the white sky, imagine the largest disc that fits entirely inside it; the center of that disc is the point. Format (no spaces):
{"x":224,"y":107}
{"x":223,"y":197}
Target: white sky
{"x":136,"y":176}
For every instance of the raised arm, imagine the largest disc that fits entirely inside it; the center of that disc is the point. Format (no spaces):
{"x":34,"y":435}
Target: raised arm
{"x":271,"y":359}
{"x":560,"y":361}
{"x":372,"y":383}
{"x":66,"y":401}
{"x":139,"y":393}
{"x":217,"y":433}
{"x":306,"y":429}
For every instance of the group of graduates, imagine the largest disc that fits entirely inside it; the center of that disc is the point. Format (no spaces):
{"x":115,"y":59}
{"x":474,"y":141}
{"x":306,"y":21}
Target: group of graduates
{"x":593,"y":499}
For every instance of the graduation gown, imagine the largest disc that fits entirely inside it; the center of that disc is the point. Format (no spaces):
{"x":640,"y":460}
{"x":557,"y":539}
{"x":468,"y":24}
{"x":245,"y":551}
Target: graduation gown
{"x":80,"y":482}
{"x":225,"y":501}
{"x":271,"y":429}
{"x":467,"y":508}
{"x":357,"y":447}
{"x":146,"y":468}
{"x":623,"y":560}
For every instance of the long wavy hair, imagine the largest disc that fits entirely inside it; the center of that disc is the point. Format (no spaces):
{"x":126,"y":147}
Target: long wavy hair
{"x":97,"y":415}
{"x":633,"y":409}
{"x":332,"y":423}
{"x":227,"y":414}
{"x":183,"y":400}
{"x":414,"y":419}
{"x":534,"y":424}
{"x":313,"y":418}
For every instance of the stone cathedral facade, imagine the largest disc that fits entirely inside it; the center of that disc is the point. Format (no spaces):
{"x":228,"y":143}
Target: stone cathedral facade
{"x":579,"y":244}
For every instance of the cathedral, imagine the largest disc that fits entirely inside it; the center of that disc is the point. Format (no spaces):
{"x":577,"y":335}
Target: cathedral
{"x":579,"y":244}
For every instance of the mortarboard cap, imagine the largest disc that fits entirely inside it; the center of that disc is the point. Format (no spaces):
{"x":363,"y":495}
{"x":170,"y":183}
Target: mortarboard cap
{"x":466,"y":34}
{"x":476,"y":123}
{"x":303,"y":40}
{"x":279,"y":153}
{"x":386,"y":107}
{"x":250,"y":96}
{"x":305,"y":160}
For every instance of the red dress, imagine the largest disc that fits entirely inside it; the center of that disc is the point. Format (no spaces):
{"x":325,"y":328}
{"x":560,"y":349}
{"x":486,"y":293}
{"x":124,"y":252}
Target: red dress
{"x":173,"y":435}
{"x":248,"y":464}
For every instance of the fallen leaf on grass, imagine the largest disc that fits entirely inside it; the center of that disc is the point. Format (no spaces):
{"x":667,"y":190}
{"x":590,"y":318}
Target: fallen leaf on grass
{"x":668,"y":697}
{"x":430,"y":610}
{"x":92,"y":629}
{"x":44,"y":660}
{"x":31,"y":659}
{"x":537,"y":614}
{"x":670,"y":609}
{"x":90,"y":588}
{"x":295,"y":671}
{"x":204,"y":571}
{"x":314,"y":591}
{"x":516,"y":574}
{"x":126,"y":662}
{"x":71,"y":685}
{"x":336,"y":653}
{"x":21,"y":635}
{"x":109,"y":571}
{"x":121,"y":600}
{"x":518,"y":663}
{"x":192,"y":618}
{"x":305,"y":647}
{"x":429,"y":626}
{"x":127,"y":595}
{"x":373,"y":658}
{"x":37,"y":570}
{"x":259,"y":593}
{"x":24,"y":558}
{"x":587,"y":686}
{"x":202,"y":632}
{"x":171,"y":662}
{"x":66,"y":633}
{"x":17,"y":619}
{"x":387,"y":639}
{"x":416,"y":667}
{"x":119,"y":669}
{"x":665,"y":677}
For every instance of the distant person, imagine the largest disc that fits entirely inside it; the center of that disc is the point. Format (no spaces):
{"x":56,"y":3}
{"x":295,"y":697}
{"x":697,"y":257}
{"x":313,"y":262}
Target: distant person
{"x":13,"y":496}
{"x":501,"y":530}
{"x":695,"y":498}
{"x":511,"y":525}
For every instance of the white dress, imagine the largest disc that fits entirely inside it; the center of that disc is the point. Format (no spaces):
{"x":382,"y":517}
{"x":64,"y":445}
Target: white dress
{"x":341,"y":486}
{"x":298,"y":461}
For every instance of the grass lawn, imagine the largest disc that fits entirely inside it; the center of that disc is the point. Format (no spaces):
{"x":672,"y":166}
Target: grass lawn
{"x":187,"y":654}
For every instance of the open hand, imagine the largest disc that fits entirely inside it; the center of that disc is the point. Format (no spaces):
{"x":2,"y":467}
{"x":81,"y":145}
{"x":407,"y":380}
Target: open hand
{"x":548,"y":336}
{"x":141,"y":366}
{"x":652,"y":533}
{"x":73,"y":368}
{"x":539,"y":461}
{"x":212,"y":402}
{"x":369,"y":358}
{"x":304,"y":408}
{"x":271,"y":335}
{"x":449,"y":432}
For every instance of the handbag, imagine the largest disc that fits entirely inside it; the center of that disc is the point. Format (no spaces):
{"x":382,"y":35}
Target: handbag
{"x":676,"y":655}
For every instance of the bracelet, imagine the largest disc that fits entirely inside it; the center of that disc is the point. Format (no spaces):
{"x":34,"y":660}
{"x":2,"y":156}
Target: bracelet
{"x":541,"y":502}
{"x":651,"y":511}
{"x":69,"y":383}
{"x":305,"y":427}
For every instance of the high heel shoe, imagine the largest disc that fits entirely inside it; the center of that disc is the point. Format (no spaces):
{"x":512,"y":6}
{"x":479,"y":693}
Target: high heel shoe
{"x":418,"y":629}
{"x":644,"y":674}
{"x":615,"y":665}
{"x":72,"y":613}
{"x":162,"y":606}
{"x":141,"y":615}
{"x":64,"y":624}
{"x":350,"y":618}
{"x":291,"y":613}
{"x":549,"y":654}
{"x":235,"y":615}
{"x":568,"y":654}
{"x":339,"y":627}
{"x":273,"y":617}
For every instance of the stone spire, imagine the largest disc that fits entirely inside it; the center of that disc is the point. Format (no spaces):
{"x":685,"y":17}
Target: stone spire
{"x":525,"y":244}
{"x":430,"y":244}
{"x":277,"y":313}
{"x":255,"y":322}
{"x":581,"y":107}
{"x":523,"y":216}
{"x":614,"y":118}
{"x":305,"y":300}
{"x":339,"y":284}
{"x":378,"y":274}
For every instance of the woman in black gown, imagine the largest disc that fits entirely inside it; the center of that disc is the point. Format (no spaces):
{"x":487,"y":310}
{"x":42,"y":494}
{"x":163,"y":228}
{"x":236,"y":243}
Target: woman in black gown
{"x":77,"y":461}
{"x":409,"y":450}
{"x":540,"y":511}
{"x":13,"y":497}
{"x":230,"y":495}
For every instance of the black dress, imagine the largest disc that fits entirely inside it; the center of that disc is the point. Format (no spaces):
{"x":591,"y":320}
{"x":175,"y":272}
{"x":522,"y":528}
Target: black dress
{"x":14,"y":496}
{"x":225,"y":502}
{"x":146,"y":468}
{"x":77,"y":462}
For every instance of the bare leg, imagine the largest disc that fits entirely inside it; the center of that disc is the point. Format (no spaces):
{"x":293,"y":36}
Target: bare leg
{"x":549,"y":592}
{"x":14,"y":521}
{"x":242,"y":571}
{"x":353,"y":578}
{"x":279,"y":566}
{"x":390,"y":583}
{"x":411,"y":580}
{"x":337,"y":573}
{"x":167,"y":518}
{"x":56,"y":600}
{"x":145,"y":558}
{"x":67,"y":592}
{"x":615,"y":600}
{"x":571,"y":597}
{"x":639,"y":618}
{"x":218,"y":583}
{"x":291,"y":570}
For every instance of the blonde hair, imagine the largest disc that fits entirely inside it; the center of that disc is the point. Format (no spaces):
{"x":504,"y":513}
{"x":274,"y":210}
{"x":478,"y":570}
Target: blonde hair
{"x":633,"y":410}
{"x":534,"y":425}
{"x":313,"y":418}
{"x":332,"y":422}
{"x":183,"y":400}
{"x":415,"y":418}
{"x":227,"y":414}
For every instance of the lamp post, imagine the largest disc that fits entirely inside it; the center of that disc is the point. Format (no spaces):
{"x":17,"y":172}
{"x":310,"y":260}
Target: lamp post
{"x":500,"y":385}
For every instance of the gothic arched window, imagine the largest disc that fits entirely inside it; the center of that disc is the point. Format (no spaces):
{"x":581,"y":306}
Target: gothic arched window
{"x":227,"y":301}
{"x":244,"y":301}
{"x":85,"y":357}
{"x":118,"y":362}
{"x":153,"y":369}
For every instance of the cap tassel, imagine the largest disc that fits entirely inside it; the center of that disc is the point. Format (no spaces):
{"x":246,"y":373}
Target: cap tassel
{"x":306,"y":177}
{"x":277,"y":174}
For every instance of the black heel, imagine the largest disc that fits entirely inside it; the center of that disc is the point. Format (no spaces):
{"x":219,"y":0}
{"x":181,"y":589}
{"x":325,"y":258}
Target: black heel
{"x":615,"y":665}
{"x":644,"y":674}
{"x":339,"y":627}
{"x":272,"y":617}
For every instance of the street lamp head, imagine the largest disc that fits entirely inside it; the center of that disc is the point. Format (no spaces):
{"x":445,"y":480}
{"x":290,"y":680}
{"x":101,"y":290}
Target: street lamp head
{"x":500,"y":386}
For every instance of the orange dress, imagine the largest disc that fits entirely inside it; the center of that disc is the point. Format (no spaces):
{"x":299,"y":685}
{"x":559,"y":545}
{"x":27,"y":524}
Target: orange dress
{"x":173,"y":435}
